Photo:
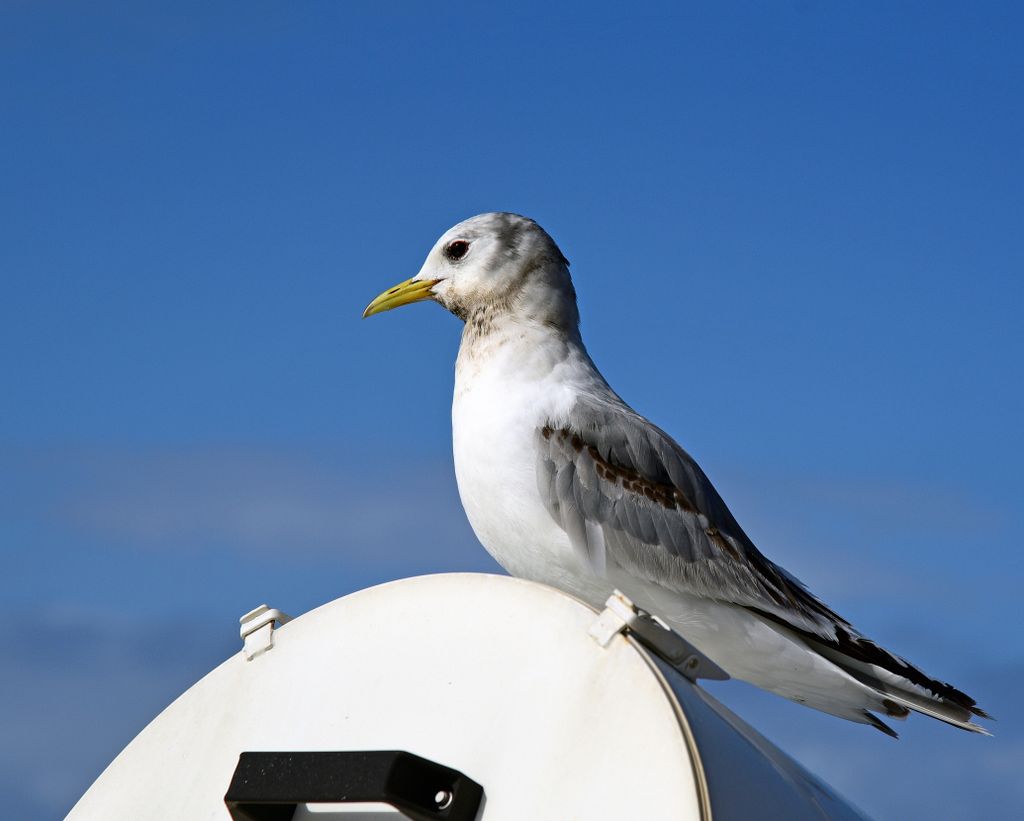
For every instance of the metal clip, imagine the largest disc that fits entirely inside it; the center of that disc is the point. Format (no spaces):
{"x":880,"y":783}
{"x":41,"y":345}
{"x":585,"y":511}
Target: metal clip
{"x":257,"y":630}
{"x":620,"y":615}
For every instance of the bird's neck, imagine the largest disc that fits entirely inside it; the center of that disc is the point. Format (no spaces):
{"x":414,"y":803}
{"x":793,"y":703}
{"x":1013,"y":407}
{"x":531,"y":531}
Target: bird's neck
{"x":501,"y":349}
{"x":540,"y":309}
{"x":544,"y":297}
{"x":505,"y":341}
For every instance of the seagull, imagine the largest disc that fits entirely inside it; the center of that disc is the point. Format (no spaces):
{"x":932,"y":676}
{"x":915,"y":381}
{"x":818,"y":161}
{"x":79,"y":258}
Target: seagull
{"x":565,"y":484}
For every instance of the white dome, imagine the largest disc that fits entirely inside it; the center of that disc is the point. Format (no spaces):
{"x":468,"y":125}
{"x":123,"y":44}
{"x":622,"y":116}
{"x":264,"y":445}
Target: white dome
{"x":495,"y":677}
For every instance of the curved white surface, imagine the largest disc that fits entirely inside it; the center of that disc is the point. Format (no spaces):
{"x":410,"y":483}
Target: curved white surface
{"x":490,"y":675}
{"x":493,"y":676}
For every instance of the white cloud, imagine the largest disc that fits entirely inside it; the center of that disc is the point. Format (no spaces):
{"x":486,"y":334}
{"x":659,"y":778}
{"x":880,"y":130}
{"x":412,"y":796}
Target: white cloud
{"x":303,"y":501}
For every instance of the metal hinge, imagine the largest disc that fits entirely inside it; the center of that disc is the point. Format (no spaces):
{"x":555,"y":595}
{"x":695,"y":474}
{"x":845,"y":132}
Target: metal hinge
{"x":620,"y":615}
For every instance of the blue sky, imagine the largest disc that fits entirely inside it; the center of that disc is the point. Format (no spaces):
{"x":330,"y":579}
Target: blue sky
{"x":795,"y":233}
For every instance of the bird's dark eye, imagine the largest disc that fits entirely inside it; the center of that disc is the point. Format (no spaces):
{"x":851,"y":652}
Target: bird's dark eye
{"x":456,"y":249}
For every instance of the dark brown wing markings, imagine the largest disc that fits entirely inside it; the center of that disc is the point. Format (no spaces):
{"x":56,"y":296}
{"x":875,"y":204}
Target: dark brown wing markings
{"x":671,"y":497}
{"x":668,"y":496}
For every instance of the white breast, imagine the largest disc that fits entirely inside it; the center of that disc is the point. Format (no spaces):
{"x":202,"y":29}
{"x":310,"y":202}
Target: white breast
{"x":506,"y":388}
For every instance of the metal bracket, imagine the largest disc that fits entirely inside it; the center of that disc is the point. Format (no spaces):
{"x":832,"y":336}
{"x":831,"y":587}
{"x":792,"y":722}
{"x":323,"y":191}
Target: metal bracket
{"x":620,"y":615}
{"x":257,"y":630}
{"x":268,"y":786}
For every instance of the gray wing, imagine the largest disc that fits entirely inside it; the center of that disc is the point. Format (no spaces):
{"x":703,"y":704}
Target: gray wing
{"x":625,"y":492}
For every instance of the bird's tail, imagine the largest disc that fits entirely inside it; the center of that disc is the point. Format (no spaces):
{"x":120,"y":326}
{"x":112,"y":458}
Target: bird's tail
{"x":900,"y":686}
{"x":903,"y":686}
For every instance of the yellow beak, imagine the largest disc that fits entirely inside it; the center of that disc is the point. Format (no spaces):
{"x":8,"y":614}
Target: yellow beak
{"x":412,"y":290}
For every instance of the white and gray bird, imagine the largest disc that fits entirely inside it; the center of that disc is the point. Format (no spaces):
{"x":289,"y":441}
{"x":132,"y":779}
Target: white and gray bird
{"x":565,"y":484}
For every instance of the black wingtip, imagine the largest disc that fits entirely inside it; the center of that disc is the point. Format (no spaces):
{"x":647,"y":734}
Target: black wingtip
{"x":880,"y":725}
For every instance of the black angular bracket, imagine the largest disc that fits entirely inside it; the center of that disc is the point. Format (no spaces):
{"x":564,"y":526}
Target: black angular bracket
{"x":268,"y":786}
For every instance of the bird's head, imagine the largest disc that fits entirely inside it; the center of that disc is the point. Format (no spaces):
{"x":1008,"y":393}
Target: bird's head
{"x":490,"y":262}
